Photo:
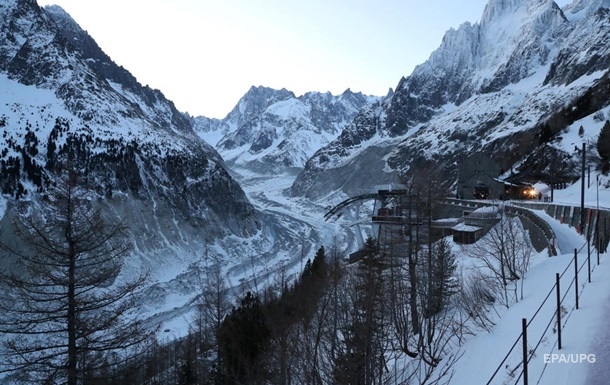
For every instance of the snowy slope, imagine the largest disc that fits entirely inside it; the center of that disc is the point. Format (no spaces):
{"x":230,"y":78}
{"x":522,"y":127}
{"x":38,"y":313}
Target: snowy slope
{"x":580,"y":327}
{"x":584,"y":330}
{"x":67,"y":102}
{"x":489,"y":87}
{"x":64,"y":102}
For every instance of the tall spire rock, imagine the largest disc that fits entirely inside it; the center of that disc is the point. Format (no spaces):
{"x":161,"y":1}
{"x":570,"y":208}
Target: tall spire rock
{"x":516,"y":39}
{"x":512,"y":41}
{"x":497,"y":9}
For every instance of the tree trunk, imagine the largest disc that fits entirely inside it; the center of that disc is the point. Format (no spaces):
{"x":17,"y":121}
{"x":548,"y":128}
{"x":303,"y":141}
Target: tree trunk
{"x":71,"y":322}
{"x":72,"y":353}
{"x":413,"y":293}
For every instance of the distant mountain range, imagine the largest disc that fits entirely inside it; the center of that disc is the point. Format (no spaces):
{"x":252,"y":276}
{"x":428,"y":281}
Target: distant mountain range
{"x":271,"y":130}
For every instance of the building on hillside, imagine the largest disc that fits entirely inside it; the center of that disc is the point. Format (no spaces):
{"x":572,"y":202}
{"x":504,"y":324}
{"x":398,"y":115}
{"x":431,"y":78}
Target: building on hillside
{"x":477,"y":172}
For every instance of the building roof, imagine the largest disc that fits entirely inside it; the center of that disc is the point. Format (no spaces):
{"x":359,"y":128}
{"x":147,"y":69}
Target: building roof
{"x":466,"y":228}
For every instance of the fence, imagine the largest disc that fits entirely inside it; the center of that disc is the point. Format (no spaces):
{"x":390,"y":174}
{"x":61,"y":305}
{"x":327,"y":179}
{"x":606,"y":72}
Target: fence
{"x":559,"y":320}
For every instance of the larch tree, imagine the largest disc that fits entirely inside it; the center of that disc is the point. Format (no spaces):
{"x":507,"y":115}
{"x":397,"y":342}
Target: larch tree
{"x":212,"y":307}
{"x":65,"y":316}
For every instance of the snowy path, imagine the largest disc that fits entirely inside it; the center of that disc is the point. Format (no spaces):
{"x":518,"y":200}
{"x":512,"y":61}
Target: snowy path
{"x":599,"y":374}
{"x":586,"y":331}
{"x":566,"y":236}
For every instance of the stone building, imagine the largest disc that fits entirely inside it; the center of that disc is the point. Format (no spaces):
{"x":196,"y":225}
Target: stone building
{"x":479,"y":169}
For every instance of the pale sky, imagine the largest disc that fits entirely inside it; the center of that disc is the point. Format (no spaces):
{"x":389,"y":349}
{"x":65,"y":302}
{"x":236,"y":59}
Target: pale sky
{"x":204,"y":55}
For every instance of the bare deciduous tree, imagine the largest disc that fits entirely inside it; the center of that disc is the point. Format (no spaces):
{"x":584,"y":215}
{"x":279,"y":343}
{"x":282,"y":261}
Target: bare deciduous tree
{"x":64,"y":310}
{"x":212,"y":307}
{"x":476,"y":298}
{"x":505,"y":251}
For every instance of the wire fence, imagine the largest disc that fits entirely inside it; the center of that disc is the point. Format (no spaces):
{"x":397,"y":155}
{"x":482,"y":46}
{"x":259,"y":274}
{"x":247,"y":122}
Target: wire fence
{"x":596,"y":229}
{"x":518,"y":373}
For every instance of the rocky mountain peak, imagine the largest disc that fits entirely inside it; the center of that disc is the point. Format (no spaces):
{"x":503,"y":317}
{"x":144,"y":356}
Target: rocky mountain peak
{"x":518,"y":41}
{"x":489,"y":86}
{"x":59,"y":14}
{"x":19,"y":52}
{"x":587,"y":50}
{"x":65,"y":102}
{"x":513,"y":39}
{"x":273,"y":130}
{"x":496,"y":9}
{"x":255,"y":101}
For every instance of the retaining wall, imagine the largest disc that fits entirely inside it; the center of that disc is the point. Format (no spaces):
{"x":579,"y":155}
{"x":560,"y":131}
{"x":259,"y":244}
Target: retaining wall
{"x":597,"y":222}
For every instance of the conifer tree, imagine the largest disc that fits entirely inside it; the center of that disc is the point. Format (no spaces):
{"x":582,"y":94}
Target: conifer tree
{"x":442,"y":284}
{"x":243,"y":338}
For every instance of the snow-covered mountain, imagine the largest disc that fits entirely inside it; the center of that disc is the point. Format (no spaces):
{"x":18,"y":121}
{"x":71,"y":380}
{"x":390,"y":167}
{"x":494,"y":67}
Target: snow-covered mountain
{"x":490,"y":86}
{"x":64,"y":103}
{"x":271,"y":130}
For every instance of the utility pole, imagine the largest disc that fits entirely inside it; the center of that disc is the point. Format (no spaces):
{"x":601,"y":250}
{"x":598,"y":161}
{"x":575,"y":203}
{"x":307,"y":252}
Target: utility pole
{"x":599,"y":242}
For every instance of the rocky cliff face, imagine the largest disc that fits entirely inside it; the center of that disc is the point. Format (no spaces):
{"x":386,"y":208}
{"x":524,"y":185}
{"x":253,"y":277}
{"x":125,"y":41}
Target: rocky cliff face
{"x":587,"y":48}
{"x":512,"y":40}
{"x":95,"y":116}
{"x":489,"y":87}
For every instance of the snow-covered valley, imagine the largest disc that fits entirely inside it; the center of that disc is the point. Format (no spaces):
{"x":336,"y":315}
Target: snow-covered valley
{"x":247,"y":197}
